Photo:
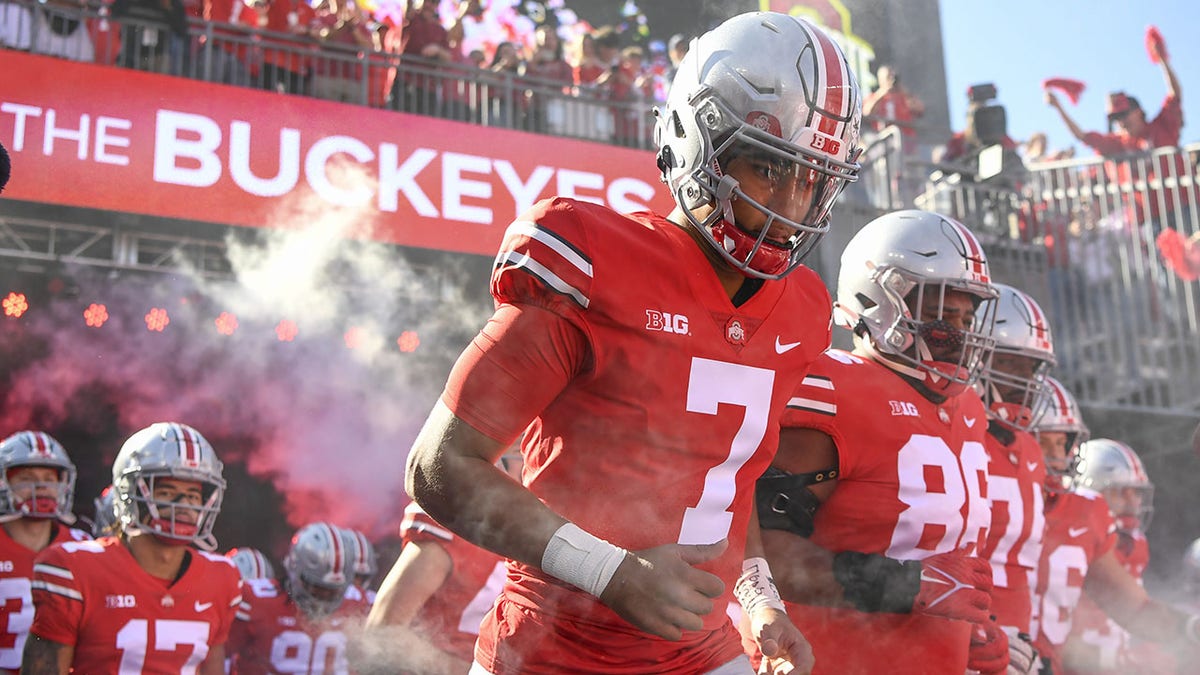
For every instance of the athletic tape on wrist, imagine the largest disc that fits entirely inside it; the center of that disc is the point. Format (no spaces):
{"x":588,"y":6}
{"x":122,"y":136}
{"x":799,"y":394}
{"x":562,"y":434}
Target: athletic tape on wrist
{"x":756,"y":589}
{"x":581,"y":559}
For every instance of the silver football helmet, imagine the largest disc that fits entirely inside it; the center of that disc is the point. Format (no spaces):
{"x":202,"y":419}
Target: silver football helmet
{"x":252,"y":563}
{"x":1013,"y":384}
{"x":319,"y":567}
{"x":1113,"y":469}
{"x":104,"y":522}
{"x":36,"y":499}
{"x":1062,"y":415}
{"x":366,"y":564}
{"x":168,"y":450}
{"x":777,"y":91}
{"x":905,"y":261}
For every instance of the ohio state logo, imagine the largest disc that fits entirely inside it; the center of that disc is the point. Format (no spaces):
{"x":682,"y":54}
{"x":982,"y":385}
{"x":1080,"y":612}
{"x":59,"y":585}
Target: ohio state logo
{"x":765,"y":122}
{"x":735,"y":332}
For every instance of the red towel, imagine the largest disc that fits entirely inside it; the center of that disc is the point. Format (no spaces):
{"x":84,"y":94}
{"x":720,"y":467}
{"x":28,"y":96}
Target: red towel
{"x":1155,"y":45}
{"x":1072,"y":88}
{"x":1182,"y":256}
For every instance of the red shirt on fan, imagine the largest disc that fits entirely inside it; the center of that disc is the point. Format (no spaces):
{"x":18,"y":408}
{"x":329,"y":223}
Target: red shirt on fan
{"x":452,"y":616}
{"x":657,"y":404}
{"x":912,"y":477}
{"x":1093,"y":628}
{"x":16,"y":594}
{"x":273,"y":635}
{"x":94,"y":596}
{"x":1079,"y":529}
{"x":1017,"y":472}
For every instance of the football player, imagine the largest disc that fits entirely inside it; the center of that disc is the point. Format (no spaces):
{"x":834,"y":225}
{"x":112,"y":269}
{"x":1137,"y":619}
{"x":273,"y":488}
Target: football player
{"x":1078,"y":552}
{"x":427,"y":615}
{"x":876,"y":506}
{"x":251,"y":563}
{"x":1096,"y":643}
{"x":144,"y":600}
{"x":366,"y":566}
{"x":297,"y":626}
{"x":37,"y":487}
{"x":643,"y":352}
{"x":1014,"y":389}
{"x":104,"y":520}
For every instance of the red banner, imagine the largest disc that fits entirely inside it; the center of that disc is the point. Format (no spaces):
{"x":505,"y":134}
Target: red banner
{"x":106,"y":138}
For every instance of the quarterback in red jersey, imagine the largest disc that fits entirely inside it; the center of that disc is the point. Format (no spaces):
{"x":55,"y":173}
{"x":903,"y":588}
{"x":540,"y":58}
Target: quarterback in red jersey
{"x":142,"y":601}
{"x":37,"y":485}
{"x":1013,"y":387}
{"x":641,"y":352}
{"x":301,"y":625}
{"x":877,"y":501}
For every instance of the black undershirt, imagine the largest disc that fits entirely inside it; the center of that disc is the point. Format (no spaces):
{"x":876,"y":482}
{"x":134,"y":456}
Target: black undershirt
{"x":747,"y":291}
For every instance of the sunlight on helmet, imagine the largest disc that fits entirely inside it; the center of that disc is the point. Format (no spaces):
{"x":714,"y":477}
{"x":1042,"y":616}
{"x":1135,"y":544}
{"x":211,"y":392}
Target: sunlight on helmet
{"x":1060,"y":431}
{"x":1013,"y":384}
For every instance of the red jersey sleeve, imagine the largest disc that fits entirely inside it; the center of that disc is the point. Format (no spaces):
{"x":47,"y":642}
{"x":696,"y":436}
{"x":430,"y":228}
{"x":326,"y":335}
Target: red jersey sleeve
{"x":536,"y":342}
{"x":1165,"y":127}
{"x":814,"y":403}
{"x":1104,"y":144}
{"x":57,"y":597}
{"x":1101,"y":521}
{"x":418,"y":526}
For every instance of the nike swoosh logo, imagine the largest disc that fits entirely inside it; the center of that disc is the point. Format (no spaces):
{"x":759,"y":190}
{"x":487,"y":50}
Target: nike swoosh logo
{"x":782,"y":347}
{"x":1076,"y":531}
{"x":202,"y":606}
{"x":1032,"y":466}
{"x":969,"y":421}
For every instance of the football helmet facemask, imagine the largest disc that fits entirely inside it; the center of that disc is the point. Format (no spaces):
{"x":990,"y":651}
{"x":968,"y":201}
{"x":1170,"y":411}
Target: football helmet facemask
{"x":1013,"y":384}
{"x":1113,"y":469}
{"x":104,"y":522}
{"x":897,"y":267}
{"x":1062,"y":415}
{"x":51,"y":499}
{"x":168,"y":450}
{"x":319,"y":568}
{"x":778,"y":93}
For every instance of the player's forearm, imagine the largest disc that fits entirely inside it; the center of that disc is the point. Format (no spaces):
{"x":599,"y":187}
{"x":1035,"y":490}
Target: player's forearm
{"x":46,"y":657}
{"x":803,"y":571}
{"x":452,"y":476}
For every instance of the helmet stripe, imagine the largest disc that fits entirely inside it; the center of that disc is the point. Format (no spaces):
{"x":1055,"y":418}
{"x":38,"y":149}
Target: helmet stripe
{"x":831,"y":96}
{"x":189,"y":445}
{"x":339,"y":557}
{"x":1040,"y":328}
{"x":973,"y":249}
{"x":260,"y":564}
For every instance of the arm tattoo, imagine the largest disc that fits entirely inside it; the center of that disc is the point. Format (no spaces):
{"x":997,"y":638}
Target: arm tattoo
{"x":46,"y":657}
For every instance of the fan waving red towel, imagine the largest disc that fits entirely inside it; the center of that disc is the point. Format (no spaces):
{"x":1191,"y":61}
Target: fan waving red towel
{"x":1072,"y":88}
{"x":1155,"y":45}
{"x":1180,"y":254}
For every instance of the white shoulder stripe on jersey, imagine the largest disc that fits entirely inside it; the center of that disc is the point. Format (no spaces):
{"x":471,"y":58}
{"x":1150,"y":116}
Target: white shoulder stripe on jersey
{"x":534,"y":231}
{"x":549,"y":278}
{"x":236,"y":601}
{"x":434,"y":530}
{"x":814,"y":406}
{"x":241,"y":616}
{"x":39,"y":585}
{"x":818,"y":381}
{"x":60,"y":572}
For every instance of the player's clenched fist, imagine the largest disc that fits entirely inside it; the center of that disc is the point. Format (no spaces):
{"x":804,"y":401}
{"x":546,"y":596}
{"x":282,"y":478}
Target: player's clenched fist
{"x":660,"y":590}
{"x":955,"y":586}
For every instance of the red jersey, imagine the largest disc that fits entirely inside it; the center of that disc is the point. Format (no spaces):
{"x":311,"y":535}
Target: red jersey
{"x":655,"y":409}
{"x":1017,"y":472}
{"x":912,"y":478}
{"x":1092,"y":628}
{"x":272,"y":635}
{"x":451,"y":618}
{"x":16,"y":594}
{"x":1079,"y":529}
{"x":94,"y":596}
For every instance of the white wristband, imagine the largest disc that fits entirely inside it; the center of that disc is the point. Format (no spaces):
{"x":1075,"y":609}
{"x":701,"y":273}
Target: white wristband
{"x":581,"y":559}
{"x":756,"y":589}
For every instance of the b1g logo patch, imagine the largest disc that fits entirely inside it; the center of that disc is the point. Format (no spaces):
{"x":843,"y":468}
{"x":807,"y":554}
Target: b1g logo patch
{"x":666,"y":322}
